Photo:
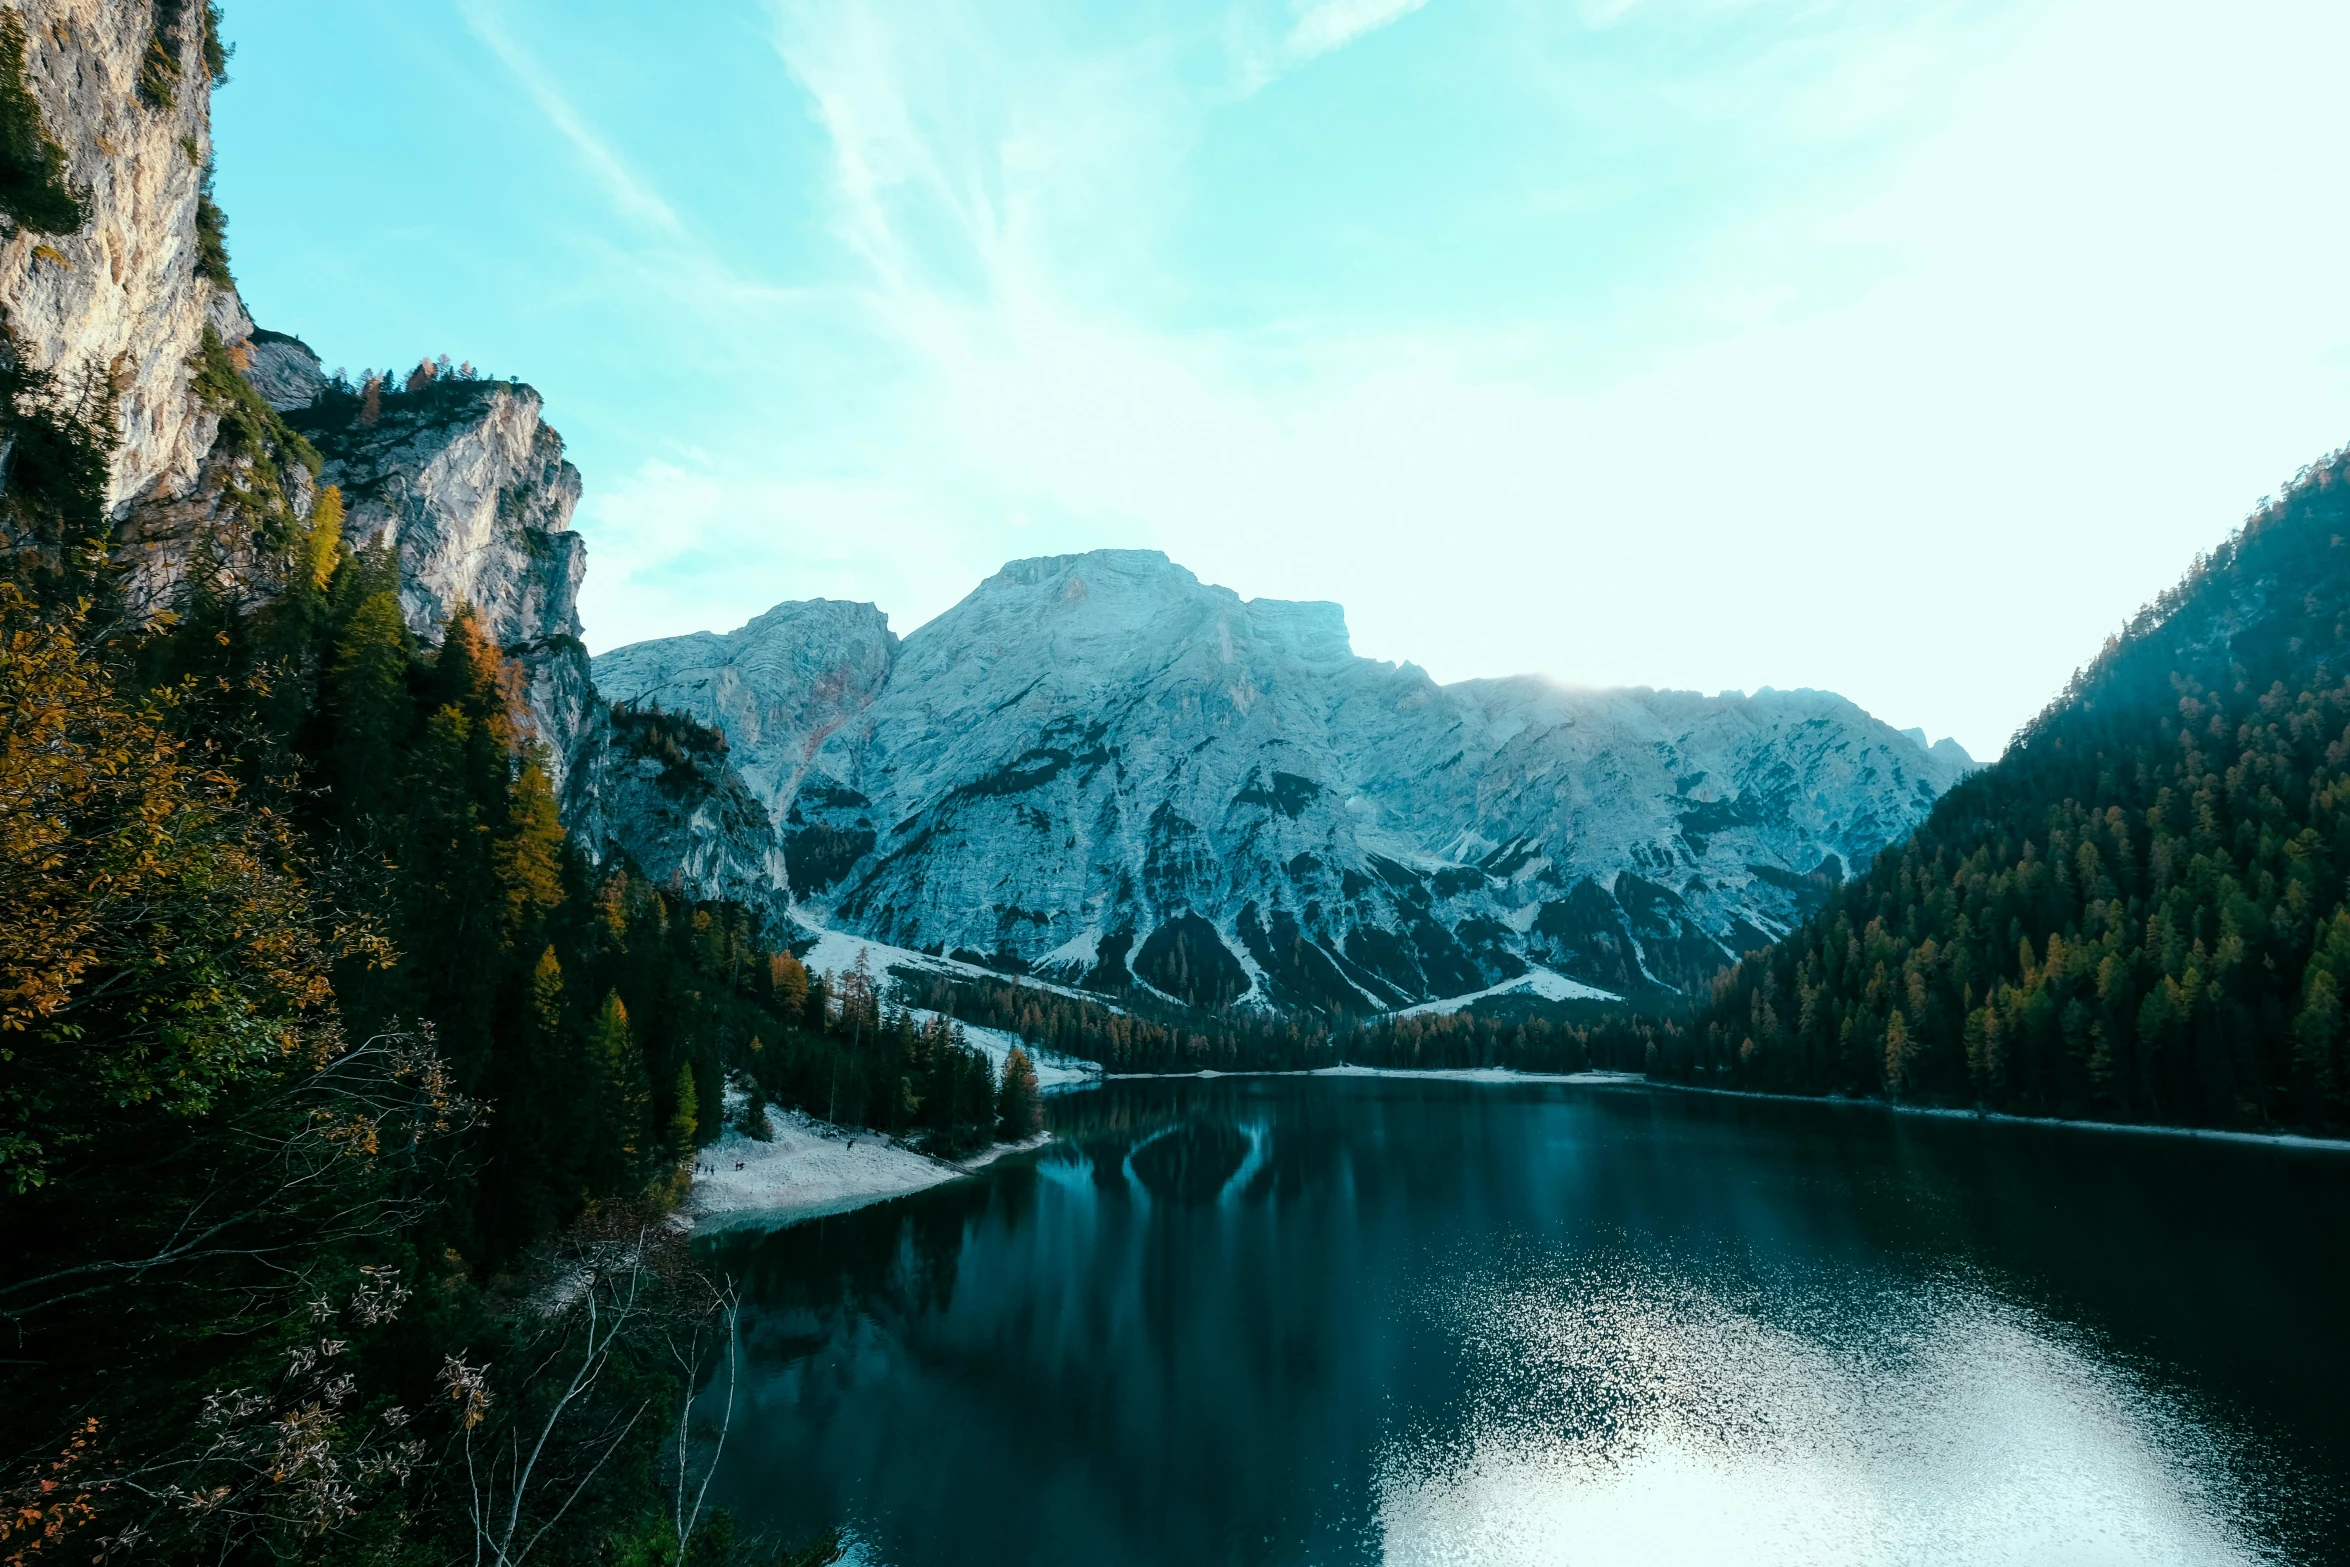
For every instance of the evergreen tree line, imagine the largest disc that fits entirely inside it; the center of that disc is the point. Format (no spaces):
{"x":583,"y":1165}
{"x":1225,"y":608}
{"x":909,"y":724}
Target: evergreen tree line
{"x":1613,"y":1042}
{"x":853,"y":1052}
{"x":1127,"y":1039}
{"x":341,"y":1101}
{"x":2139,"y":912}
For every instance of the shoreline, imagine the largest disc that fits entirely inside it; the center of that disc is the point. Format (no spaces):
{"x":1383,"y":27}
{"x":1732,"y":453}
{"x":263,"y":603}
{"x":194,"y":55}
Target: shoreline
{"x":1449,"y":1074}
{"x":811,"y":1169}
{"x":2291,"y":1140}
{"x":1498,"y":1074}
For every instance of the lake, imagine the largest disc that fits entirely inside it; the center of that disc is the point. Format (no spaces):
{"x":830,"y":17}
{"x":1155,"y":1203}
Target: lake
{"x":1341,"y":1320}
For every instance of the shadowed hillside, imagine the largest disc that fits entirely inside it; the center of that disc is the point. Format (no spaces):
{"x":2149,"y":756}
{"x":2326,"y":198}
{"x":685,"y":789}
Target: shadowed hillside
{"x":2139,"y":911}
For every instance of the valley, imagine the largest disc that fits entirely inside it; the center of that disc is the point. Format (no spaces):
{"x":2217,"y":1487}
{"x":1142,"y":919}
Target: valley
{"x":1107,"y":1071}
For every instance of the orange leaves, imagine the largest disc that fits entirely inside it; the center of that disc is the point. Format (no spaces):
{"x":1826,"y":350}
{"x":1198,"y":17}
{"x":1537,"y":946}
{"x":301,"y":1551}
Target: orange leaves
{"x":156,"y":939}
{"x":37,"y":1516}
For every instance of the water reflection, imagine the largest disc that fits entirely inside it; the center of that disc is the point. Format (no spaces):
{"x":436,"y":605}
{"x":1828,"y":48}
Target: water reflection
{"x":1630,"y":1412}
{"x":1330,"y":1321}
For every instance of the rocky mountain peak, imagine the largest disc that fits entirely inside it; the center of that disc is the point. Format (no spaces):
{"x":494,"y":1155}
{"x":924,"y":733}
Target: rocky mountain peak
{"x":1100,"y":769}
{"x":1114,"y":615}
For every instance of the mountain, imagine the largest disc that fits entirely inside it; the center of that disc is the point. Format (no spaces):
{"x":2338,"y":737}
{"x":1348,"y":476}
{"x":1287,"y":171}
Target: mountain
{"x":1099,"y":770}
{"x":1096,"y":769}
{"x":2138,"y":911}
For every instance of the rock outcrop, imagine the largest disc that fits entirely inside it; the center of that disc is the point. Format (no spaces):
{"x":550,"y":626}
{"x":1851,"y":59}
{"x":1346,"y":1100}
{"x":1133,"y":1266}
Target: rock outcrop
{"x":659,"y":788}
{"x":1099,"y":769}
{"x":119,"y":296}
{"x":117,"y":275}
{"x":777,"y":689}
{"x":466,"y":484}
{"x":283,"y":370}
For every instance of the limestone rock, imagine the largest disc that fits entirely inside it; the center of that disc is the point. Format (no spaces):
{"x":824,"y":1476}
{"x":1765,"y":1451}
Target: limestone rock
{"x":468,"y":487}
{"x":119,"y":298}
{"x":1098,"y":768}
{"x":284,"y":370}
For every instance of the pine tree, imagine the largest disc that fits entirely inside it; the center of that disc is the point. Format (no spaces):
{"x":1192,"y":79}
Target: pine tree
{"x":530,"y":853}
{"x":546,"y":993}
{"x":1019,"y":1107}
{"x":625,"y":1098}
{"x":1897,"y":1054}
{"x":367,"y":695}
{"x":685,"y":1124}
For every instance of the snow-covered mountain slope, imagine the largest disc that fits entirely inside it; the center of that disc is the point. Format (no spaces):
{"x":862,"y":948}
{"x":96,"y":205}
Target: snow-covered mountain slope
{"x":1098,"y":769}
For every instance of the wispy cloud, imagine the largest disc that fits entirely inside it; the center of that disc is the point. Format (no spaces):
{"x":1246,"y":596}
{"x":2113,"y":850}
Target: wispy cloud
{"x":631,"y":195}
{"x":1901,"y":328}
{"x":1324,"y":25}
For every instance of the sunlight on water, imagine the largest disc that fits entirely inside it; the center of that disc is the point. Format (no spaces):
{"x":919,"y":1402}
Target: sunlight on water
{"x":1323,"y":1323}
{"x":1635,"y":1419}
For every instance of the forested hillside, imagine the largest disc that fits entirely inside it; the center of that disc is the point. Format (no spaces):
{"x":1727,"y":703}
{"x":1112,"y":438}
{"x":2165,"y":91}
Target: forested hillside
{"x":327,"y":1056}
{"x":2139,"y":912}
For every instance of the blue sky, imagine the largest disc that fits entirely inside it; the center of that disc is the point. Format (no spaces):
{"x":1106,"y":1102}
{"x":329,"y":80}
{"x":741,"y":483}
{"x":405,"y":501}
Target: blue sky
{"x":1899,"y":347}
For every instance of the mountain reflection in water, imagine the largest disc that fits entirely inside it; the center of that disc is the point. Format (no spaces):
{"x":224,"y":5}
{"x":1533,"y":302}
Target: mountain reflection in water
{"x":1283,"y":1320}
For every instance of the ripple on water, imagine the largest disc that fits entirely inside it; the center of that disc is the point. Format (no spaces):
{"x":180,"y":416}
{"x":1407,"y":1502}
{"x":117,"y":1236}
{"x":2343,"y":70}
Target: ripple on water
{"x":1623,"y":1413}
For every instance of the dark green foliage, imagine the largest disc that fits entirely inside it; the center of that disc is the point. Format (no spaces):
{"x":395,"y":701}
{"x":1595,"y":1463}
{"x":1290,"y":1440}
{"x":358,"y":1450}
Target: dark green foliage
{"x":2138,"y":912}
{"x":854,"y":1055}
{"x":1129,"y":1039}
{"x":431,"y":401}
{"x":160,"y":69}
{"x":1187,"y":959}
{"x":34,"y":190}
{"x":673,"y":739}
{"x":216,"y":53}
{"x":53,"y":523}
{"x":255,"y":448}
{"x":1610,"y":1040}
{"x":211,"y":238}
{"x":1539,"y":1037}
{"x":409,"y":808}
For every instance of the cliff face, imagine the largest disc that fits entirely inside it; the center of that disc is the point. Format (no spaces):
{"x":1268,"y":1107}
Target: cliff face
{"x":660,"y":788}
{"x":119,"y":298}
{"x":466,"y":484}
{"x":461,"y":478}
{"x":1100,"y":769}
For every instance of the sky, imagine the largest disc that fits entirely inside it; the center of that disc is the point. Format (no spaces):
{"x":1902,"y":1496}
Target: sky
{"x":1901,"y":348}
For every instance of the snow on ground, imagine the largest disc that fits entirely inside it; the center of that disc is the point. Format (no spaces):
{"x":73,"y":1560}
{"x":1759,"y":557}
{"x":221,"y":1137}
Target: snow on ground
{"x":836,"y":952}
{"x":813,"y":1170}
{"x":1450,"y":1074}
{"x":1053,"y":1070}
{"x":1478,"y":1074}
{"x":1536,"y":982}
